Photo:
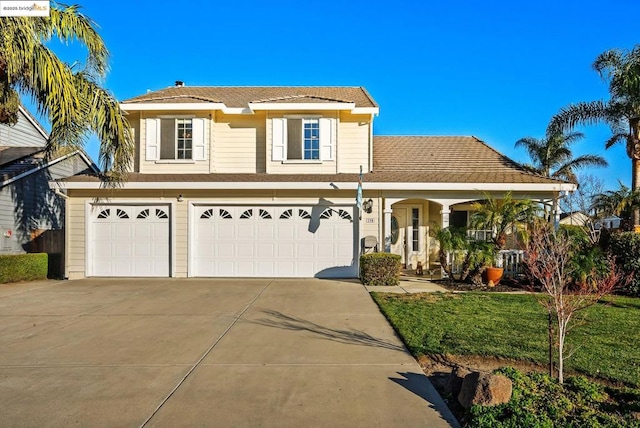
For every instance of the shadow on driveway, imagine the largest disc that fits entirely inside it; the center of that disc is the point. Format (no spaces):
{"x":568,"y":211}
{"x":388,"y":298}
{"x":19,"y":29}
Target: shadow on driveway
{"x":346,"y":336}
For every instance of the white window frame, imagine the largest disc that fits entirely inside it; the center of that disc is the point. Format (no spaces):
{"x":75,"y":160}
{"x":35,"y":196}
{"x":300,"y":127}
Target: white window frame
{"x":154,"y":139}
{"x":326,"y":138}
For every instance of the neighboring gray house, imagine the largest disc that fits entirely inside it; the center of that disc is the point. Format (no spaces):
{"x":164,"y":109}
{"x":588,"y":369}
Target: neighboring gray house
{"x":29,"y":210}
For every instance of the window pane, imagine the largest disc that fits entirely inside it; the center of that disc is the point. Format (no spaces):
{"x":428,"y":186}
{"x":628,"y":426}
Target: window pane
{"x":311,"y":139}
{"x":167,"y":139}
{"x":184,"y":140}
{"x":294,"y":138}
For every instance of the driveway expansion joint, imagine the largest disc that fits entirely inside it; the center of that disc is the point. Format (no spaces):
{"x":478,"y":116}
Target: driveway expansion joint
{"x":197,"y":363}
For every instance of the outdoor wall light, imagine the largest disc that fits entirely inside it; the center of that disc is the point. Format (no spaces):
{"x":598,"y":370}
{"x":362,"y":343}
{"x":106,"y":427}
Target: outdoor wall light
{"x":180,"y":198}
{"x":367,"y":206}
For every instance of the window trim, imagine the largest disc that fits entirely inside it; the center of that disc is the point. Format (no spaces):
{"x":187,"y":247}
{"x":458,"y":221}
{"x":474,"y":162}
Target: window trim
{"x":280,"y":138}
{"x":153,"y":139}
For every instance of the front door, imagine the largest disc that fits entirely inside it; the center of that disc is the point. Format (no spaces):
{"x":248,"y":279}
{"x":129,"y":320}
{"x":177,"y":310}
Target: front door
{"x":406,"y":227}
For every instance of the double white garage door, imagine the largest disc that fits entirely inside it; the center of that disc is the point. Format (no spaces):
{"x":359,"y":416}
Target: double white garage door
{"x":228,"y":241}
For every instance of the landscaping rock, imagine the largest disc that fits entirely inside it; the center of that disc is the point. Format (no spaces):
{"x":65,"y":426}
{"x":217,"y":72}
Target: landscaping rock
{"x":454,"y":383}
{"x":484,"y":389}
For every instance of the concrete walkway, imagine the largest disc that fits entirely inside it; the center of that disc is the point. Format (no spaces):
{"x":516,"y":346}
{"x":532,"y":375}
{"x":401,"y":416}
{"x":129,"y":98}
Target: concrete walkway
{"x":201,"y":352}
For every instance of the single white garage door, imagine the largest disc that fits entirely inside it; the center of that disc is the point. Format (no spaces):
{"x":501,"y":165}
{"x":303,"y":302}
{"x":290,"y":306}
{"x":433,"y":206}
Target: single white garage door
{"x":274,"y":241}
{"x":130,"y":240}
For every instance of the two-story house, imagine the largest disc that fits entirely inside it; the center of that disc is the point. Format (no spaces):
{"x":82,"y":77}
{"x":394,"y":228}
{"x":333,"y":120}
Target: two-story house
{"x":261,"y":181}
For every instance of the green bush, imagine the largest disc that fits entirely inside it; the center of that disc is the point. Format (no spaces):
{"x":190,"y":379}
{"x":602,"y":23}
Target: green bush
{"x":539,"y":401}
{"x":23,"y":267}
{"x":380,"y":269}
{"x":626,"y":249}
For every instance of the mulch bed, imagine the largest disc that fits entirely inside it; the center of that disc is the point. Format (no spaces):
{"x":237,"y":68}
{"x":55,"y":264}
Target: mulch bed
{"x":505,"y":285}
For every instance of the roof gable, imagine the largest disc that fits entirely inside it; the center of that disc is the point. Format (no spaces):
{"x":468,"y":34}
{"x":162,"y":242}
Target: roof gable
{"x":243,"y":96}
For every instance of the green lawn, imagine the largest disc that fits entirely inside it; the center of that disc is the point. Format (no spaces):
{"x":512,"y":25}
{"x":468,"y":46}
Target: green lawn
{"x":605,"y":343}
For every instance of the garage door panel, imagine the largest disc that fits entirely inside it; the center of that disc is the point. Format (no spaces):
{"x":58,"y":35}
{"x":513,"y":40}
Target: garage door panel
{"x":266,"y":250}
{"x":284,"y":241}
{"x":286,"y":250}
{"x":130,"y":241}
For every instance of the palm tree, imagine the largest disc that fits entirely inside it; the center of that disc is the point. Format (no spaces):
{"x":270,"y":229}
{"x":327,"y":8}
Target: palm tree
{"x":552,"y":157}
{"x":72,"y":99}
{"x":622,"y":203}
{"x":621,"y":69}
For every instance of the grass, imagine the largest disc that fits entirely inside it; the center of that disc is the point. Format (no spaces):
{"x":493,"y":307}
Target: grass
{"x":603,"y":341}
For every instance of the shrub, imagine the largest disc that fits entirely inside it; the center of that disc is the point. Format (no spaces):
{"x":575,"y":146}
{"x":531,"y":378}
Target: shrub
{"x":380,"y":269}
{"x":625,"y":247}
{"x":540,"y":401}
{"x":23,"y":267}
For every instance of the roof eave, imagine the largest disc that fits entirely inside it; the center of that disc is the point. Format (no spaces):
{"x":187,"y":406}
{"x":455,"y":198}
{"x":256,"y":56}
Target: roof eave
{"x":321,"y":185}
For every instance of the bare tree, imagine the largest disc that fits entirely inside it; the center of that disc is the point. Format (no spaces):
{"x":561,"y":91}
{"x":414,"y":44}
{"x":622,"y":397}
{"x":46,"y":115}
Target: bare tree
{"x":580,"y":201}
{"x":548,"y":262}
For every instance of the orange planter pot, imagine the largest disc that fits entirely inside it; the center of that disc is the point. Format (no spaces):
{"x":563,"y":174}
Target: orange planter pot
{"x":493,"y":275}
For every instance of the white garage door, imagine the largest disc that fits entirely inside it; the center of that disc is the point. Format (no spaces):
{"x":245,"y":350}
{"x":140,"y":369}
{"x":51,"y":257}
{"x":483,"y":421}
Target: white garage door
{"x":274,"y":241}
{"x":130,"y":240}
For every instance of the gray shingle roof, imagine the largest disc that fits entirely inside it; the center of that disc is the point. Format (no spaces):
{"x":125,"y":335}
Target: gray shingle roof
{"x":241,"y":96}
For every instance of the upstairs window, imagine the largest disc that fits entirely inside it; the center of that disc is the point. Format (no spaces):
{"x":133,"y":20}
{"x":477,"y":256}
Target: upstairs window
{"x":303,"y":139}
{"x":178,"y":139}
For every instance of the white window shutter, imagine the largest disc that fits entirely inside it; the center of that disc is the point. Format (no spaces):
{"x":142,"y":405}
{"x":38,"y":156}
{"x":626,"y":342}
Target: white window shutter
{"x":197,"y":138}
{"x":327,"y":138}
{"x":279,"y":138}
{"x":152,"y":139}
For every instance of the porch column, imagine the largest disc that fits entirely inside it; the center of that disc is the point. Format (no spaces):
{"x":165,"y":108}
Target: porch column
{"x":555,"y":214}
{"x":387,"y":228}
{"x":445,"y":211}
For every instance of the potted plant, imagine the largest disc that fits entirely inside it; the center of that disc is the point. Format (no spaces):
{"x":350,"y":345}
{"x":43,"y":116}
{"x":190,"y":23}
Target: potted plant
{"x":502,"y":217}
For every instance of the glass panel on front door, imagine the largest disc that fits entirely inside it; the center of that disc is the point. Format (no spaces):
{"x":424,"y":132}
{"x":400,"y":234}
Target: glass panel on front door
{"x":415,"y":224}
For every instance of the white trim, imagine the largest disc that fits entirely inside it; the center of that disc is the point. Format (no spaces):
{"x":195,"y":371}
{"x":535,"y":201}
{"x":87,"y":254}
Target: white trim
{"x":366,"y":110}
{"x":307,"y":161}
{"x":34,"y":122}
{"x":302,"y":106}
{"x":176,"y":116}
{"x":183,"y":161}
{"x":172,"y":106}
{"x":399,"y":186}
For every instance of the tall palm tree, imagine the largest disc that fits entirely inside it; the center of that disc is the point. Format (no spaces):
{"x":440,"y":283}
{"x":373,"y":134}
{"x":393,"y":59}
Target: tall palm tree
{"x":621,"y":69}
{"x":72,"y":99}
{"x":552,"y":157}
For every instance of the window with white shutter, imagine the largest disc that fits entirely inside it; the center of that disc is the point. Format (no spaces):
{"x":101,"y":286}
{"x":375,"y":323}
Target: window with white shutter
{"x":175,"y":139}
{"x":303,"y":139}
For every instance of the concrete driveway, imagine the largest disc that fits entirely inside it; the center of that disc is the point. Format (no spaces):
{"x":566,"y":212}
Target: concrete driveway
{"x":205,"y":352}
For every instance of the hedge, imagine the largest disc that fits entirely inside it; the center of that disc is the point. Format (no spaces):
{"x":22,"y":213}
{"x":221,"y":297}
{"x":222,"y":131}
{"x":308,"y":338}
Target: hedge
{"x":23,"y":267}
{"x":380,"y":269}
{"x":625,"y":247}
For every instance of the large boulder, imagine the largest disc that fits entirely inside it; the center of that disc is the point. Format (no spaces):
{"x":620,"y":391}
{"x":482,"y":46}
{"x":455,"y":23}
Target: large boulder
{"x":454,"y":382}
{"x":484,"y":389}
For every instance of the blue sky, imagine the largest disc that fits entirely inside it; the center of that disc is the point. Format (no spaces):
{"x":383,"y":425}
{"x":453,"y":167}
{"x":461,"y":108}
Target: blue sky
{"x":494,"y":69}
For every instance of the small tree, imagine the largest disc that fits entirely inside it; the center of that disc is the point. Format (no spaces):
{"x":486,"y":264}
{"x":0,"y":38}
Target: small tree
{"x":581,"y":201}
{"x":549,"y":263}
